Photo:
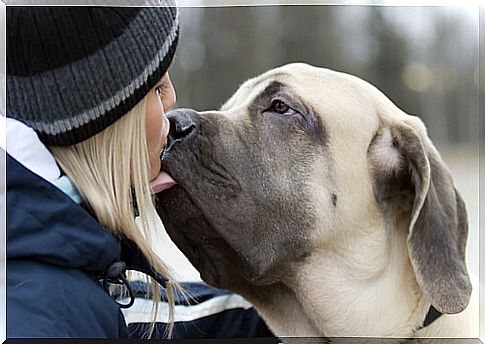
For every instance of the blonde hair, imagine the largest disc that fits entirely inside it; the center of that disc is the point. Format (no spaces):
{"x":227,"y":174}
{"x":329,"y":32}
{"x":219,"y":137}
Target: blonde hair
{"x":111,"y":172}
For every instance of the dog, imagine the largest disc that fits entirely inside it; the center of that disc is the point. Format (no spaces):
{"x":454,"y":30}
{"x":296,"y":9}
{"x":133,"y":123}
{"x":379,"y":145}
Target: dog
{"x":326,"y":206}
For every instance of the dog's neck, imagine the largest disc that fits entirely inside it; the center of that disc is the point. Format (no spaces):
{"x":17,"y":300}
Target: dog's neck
{"x":369,"y":274}
{"x":365,"y":287}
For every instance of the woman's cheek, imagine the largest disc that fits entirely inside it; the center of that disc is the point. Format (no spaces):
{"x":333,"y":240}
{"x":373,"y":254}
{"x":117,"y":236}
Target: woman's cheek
{"x":154,"y":168}
{"x":165,"y":129}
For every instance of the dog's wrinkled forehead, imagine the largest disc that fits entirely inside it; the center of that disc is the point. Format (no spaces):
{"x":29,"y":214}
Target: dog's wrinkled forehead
{"x":252,"y":88}
{"x":293,"y":76}
{"x":345,"y":103}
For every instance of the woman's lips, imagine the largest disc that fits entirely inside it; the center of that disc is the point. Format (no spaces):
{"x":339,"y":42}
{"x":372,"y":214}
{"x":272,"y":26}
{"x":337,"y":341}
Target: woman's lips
{"x":162,"y":182}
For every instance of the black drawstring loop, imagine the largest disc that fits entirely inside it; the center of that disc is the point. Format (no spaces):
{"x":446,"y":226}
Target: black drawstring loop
{"x":116,"y":274}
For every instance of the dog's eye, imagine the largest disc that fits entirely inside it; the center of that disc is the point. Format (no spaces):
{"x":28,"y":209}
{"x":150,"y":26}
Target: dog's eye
{"x":279,"y":106}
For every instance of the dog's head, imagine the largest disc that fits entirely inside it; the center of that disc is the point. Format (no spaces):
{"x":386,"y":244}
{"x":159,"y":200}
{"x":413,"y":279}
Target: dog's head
{"x":301,"y":157}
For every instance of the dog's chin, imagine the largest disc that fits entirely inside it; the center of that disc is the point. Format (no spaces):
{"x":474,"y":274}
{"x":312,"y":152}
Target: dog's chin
{"x":186,"y":224}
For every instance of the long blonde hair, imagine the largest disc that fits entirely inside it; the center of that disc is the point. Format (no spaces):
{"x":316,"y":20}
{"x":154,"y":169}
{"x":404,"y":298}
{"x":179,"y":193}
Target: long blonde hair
{"x":111,"y":172}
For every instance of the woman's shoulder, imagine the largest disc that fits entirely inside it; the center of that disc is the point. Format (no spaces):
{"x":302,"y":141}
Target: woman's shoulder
{"x":45,"y":224}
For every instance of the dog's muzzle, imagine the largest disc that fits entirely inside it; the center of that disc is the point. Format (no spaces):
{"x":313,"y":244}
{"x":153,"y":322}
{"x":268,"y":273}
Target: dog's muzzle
{"x":181,"y":126}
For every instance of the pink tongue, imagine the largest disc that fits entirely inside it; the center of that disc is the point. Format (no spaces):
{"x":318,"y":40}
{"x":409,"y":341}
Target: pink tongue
{"x":162,"y":182}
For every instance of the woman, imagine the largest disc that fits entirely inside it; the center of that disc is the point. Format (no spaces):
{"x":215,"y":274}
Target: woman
{"x":87,"y":91}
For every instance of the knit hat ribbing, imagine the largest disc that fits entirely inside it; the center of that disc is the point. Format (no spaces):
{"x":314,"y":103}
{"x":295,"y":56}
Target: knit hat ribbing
{"x":73,"y":71}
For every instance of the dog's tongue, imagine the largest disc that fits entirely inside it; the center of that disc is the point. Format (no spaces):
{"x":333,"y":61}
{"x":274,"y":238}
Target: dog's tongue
{"x":163,"y":182}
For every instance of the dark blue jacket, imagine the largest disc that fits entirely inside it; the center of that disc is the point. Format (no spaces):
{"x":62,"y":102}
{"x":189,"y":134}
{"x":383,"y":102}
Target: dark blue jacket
{"x":57,"y":253}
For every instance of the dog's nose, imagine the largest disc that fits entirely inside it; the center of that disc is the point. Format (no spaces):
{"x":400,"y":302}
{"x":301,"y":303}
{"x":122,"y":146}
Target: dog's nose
{"x":181,"y":126}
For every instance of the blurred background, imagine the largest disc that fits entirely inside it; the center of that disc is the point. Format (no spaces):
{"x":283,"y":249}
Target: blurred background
{"x":425,"y":59}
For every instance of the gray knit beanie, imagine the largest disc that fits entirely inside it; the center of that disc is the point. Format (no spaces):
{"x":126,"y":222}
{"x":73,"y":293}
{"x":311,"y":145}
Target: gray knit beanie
{"x":73,"y":71}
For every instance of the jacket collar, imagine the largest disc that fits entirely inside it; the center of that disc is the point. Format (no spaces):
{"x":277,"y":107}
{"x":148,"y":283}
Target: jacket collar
{"x":23,"y":144}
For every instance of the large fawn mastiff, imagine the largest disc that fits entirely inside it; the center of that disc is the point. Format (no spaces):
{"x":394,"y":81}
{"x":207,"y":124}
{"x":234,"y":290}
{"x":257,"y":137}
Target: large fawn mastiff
{"x":312,"y":195}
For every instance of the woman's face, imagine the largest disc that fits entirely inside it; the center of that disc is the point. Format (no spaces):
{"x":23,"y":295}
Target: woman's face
{"x":160,"y":99}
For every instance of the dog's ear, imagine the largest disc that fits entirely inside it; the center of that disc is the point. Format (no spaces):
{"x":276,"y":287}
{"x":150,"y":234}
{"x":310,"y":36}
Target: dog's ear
{"x":405,"y":165}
